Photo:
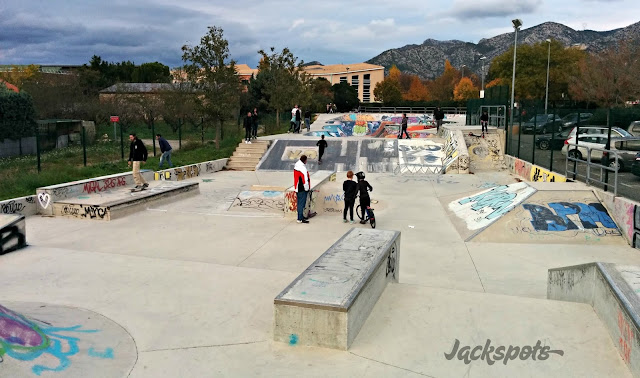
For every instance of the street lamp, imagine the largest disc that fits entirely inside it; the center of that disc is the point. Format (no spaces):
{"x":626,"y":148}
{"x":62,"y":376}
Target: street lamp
{"x":546,"y":97}
{"x":483,"y":59}
{"x":516,"y":25}
{"x":463,"y":66}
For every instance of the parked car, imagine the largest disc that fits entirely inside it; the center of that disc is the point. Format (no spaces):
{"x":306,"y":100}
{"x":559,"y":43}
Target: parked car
{"x":627,"y":149}
{"x":571,"y":119}
{"x":543,"y":123}
{"x":635,"y":167}
{"x":615,"y":131}
{"x":634,"y":128}
{"x":585,"y":141}
{"x":546,"y":142}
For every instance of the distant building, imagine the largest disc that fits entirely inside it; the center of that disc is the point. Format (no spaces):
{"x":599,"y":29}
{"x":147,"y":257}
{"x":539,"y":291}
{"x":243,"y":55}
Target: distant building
{"x":362,"y":76}
{"x":146,"y":89}
{"x":9,"y":86}
{"x":47,"y":69}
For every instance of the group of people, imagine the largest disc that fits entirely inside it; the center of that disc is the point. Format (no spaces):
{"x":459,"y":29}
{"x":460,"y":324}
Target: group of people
{"x":138,"y":155}
{"x":302,"y":184}
{"x":331,"y":108}
{"x":250,"y":125}
{"x":296,"y":120}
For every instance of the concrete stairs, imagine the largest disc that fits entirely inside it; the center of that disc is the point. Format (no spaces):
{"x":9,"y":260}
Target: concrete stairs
{"x":247,"y":156}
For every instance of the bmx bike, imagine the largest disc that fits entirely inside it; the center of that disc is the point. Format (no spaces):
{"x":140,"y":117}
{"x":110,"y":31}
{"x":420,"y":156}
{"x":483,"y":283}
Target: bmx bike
{"x":366,"y":215}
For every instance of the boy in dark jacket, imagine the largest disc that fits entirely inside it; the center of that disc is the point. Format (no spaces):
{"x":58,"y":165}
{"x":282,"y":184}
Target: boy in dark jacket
{"x":364,"y":188}
{"x":322,"y":144}
{"x":137,"y":154}
{"x":350,"y":190}
{"x":248,"y":127}
{"x":484,"y":122}
{"x":165,"y":148}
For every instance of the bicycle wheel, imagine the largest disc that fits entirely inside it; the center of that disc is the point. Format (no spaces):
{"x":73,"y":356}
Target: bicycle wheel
{"x":372,"y":220}
{"x":359,"y":212}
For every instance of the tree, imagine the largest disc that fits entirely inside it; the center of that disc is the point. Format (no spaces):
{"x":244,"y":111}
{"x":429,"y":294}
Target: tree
{"x":19,"y":76}
{"x":345,"y":97}
{"x":322,"y":94}
{"x":441,"y":88}
{"x":531,"y":69}
{"x":388,"y":91}
{"x":151,"y":73}
{"x":282,"y":80}
{"x":417,"y":91}
{"x":609,"y":78}
{"x":17,"y":115}
{"x":465,"y":90}
{"x":212,"y":73}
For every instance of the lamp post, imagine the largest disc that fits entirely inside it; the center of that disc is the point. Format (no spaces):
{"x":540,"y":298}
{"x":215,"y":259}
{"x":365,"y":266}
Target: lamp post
{"x":483,"y":59}
{"x":516,"y":25}
{"x":463,"y":66}
{"x":546,"y":97}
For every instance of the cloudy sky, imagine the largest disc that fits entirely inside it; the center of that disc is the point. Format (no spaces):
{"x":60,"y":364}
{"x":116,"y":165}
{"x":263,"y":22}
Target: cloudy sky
{"x":71,"y":31}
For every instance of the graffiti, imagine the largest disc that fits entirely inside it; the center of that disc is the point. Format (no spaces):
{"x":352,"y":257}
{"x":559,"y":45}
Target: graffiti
{"x":187,"y":172}
{"x":11,"y":207}
{"x":101,"y":186}
{"x":636,"y":228}
{"x":391,"y":262}
{"x":94,"y":212}
{"x":544,"y":219}
{"x":25,"y":339}
{"x":30,"y":199}
{"x":522,"y":168}
{"x":44,"y":199}
{"x":625,"y":340}
{"x":63,"y":192}
{"x":331,"y":210}
{"x":209,"y":167}
{"x":482,"y":209}
{"x":291,"y":199}
{"x":11,"y":238}
{"x":334,"y":198}
{"x":542,"y":175}
{"x":294,"y":153}
{"x":261,"y":204}
{"x":70,"y":210}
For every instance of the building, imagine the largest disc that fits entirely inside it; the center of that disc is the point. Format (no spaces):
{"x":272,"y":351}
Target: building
{"x":362,"y":76}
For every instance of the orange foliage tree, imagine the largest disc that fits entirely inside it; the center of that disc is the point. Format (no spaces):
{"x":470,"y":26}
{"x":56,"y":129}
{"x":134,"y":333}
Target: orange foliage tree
{"x":465,"y":90}
{"x":417,"y":91}
{"x":441,"y":89}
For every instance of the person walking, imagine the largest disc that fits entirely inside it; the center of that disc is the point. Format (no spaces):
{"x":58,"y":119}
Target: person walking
{"x":307,"y":119}
{"x":165,"y":148}
{"x":322,"y":144}
{"x":137,"y":155}
{"x":438,"y":115}
{"x":350,"y":189}
{"x":298,"y":119}
{"x":484,"y":122}
{"x":248,"y":126}
{"x":254,"y":119}
{"x":302,"y":183}
{"x":405,"y":123}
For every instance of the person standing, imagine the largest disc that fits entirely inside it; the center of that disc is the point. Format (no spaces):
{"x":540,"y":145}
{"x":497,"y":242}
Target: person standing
{"x":438,"y":115}
{"x":365,"y":201}
{"x":405,"y":123}
{"x":302,"y":183}
{"x":298,"y":119}
{"x":137,"y":154}
{"x":165,"y":148}
{"x":248,"y":126}
{"x":350,"y":189}
{"x":254,"y":119}
{"x":322,"y":144}
{"x":484,"y":122}
{"x":307,"y":119}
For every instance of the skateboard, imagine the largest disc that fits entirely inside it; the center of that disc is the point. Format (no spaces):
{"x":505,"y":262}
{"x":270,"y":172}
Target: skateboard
{"x":138,"y":190}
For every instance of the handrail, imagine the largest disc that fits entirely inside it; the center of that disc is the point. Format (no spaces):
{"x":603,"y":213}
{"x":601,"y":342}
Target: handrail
{"x":590,"y":164}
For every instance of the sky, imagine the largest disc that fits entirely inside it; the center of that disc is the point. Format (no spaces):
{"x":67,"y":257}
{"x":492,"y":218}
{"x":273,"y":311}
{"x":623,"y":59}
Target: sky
{"x":70,"y":32}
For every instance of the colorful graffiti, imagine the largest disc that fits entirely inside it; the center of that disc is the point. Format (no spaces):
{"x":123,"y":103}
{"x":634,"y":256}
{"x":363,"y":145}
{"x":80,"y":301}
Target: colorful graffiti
{"x":555,"y":217}
{"x":380,"y":126}
{"x":24,"y":339}
{"x":543,"y":175}
{"x":486,"y":207}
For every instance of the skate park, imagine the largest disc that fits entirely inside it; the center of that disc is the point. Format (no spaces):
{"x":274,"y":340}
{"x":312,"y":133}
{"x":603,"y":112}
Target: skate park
{"x":202,"y":280}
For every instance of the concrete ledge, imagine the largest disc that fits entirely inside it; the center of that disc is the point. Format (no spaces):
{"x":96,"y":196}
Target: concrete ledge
{"x":531,"y":172}
{"x":612,"y":291}
{"x":47,"y":195}
{"x":330,"y":301}
{"x":13,"y":234}
{"x":22,"y":205}
{"x":99,"y":209}
{"x":291,"y":196}
{"x":190,"y":171}
{"x":456,"y":155}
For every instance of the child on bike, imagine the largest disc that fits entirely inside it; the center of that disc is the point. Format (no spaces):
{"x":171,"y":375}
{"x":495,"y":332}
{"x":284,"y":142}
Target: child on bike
{"x":350,"y":188}
{"x":364,"y":188}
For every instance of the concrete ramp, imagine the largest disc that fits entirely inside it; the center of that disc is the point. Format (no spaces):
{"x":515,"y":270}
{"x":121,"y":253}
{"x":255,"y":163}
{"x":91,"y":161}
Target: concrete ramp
{"x":556,"y":217}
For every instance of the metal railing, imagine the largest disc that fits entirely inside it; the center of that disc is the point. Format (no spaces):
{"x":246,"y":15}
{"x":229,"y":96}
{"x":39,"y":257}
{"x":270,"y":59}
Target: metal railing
{"x":410,"y":109}
{"x":571,"y":156}
{"x":497,"y":115}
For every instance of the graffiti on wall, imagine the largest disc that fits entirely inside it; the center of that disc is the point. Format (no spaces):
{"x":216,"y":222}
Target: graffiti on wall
{"x":264,"y":201}
{"x":12,"y":237}
{"x":522,"y":168}
{"x":293,"y":153}
{"x":44,"y":199}
{"x":11,"y":207}
{"x":484,"y":208}
{"x":542,"y":175}
{"x":187,"y":172}
{"x":572,"y":216}
{"x":49,"y":348}
{"x":82,"y":211}
{"x":102,"y":185}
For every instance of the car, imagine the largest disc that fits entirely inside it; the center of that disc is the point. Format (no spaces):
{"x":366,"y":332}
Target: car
{"x":571,"y":119}
{"x":634,"y":128}
{"x":627,"y":149}
{"x":543,"y":123}
{"x":635,"y":167}
{"x":585,"y":141}
{"x":615,"y":131}
{"x":552,"y":141}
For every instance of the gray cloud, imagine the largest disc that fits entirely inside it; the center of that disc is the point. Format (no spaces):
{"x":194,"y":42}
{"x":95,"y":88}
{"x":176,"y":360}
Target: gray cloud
{"x":464,"y":10}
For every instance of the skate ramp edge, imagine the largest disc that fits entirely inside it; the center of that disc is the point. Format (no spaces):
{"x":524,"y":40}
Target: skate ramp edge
{"x":612,"y":291}
{"x":318,"y":179}
{"x":456,"y":155}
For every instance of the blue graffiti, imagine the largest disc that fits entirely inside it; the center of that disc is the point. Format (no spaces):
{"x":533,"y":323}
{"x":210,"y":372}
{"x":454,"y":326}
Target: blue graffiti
{"x":107,"y":354}
{"x":498,"y":199}
{"x":334,"y":198}
{"x":543,"y":219}
{"x":293,"y":339}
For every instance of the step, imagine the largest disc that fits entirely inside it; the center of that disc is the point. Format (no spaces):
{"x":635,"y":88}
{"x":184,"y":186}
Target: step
{"x":252,"y":149}
{"x":247,"y":154}
{"x":244,"y":160}
{"x":242,"y":166}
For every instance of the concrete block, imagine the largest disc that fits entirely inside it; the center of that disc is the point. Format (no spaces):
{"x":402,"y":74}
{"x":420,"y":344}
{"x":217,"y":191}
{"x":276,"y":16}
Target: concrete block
{"x":330,"y":301}
{"x":22,"y":205}
{"x":291,"y":197}
{"x":190,"y":171}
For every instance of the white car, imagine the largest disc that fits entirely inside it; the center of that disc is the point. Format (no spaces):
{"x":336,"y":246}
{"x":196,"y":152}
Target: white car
{"x":616,"y":132}
{"x":584,"y":141}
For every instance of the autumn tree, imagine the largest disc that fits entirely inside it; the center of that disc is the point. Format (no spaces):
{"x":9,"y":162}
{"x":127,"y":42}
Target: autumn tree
{"x":19,"y":75}
{"x":609,"y":78}
{"x":214,"y":75}
{"x":441,"y":88}
{"x":388,"y":91}
{"x":465,"y":90}
{"x":417,"y":91}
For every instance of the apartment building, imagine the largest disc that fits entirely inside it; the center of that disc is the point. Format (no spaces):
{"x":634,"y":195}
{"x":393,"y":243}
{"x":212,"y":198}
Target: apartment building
{"x":362,"y":76}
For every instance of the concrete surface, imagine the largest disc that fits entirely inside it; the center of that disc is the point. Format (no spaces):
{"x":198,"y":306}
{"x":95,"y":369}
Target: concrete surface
{"x":193,"y":284}
{"x":12,"y":232}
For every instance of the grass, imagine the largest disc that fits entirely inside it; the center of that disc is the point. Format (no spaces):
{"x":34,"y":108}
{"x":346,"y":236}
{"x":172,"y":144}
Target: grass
{"x":20,"y":175}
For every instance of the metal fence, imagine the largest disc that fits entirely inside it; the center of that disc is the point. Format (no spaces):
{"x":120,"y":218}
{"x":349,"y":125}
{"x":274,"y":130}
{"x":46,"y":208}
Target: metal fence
{"x":411,"y":109}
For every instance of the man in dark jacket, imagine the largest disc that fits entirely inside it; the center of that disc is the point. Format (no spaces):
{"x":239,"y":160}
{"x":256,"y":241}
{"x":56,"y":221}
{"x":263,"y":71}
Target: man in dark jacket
{"x":248,"y":126}
{"x":405,"y":124}
{"x":137,"y":154}
{"x":165,"y":148}
{"x":254,"y":119}
{"x":484,"y":122}
{"x":438,"y":115}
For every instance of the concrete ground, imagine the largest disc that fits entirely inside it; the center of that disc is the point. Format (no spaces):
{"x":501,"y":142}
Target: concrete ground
{"x":193,"y":286}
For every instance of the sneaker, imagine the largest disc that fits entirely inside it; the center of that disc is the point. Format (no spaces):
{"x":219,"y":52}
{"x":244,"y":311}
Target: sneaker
{"x":299,"y":221}
{"x":351,"y":222}
{"x":363,"y":221}
{"x":249,"y":141}
{"x":345,"y":221}
{"x":137,"y":187}
{"x":145,"y":185}
{"x":305,"y":221}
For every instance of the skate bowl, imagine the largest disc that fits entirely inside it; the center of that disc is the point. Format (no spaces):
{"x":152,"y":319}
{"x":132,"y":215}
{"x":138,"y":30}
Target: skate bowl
{"x":612,"y":290}
{"x":330,"y":301}
{"x":13,"y":234}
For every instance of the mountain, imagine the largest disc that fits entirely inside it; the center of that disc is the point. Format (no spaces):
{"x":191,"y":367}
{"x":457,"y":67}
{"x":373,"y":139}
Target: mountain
{"x":427,"y":60}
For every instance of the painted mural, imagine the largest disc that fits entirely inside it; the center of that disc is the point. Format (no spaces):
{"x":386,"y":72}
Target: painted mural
{"x":376,"y":125}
